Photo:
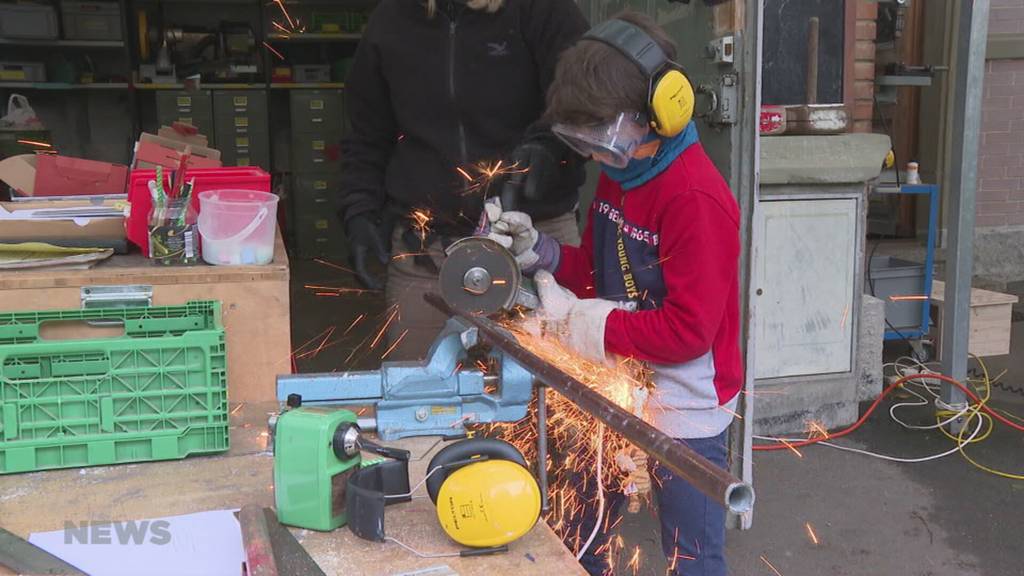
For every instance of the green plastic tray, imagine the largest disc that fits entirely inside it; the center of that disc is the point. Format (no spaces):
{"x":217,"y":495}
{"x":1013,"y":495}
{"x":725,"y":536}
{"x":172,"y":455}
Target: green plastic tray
{"x":157,"y":393}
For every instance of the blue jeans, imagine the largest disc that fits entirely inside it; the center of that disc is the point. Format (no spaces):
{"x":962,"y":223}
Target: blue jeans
{"x":692,"y":525}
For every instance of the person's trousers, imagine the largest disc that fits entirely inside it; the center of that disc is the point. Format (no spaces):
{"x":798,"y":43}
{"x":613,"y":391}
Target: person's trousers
{"x":418,"y":323}
{"x":692,"y":525}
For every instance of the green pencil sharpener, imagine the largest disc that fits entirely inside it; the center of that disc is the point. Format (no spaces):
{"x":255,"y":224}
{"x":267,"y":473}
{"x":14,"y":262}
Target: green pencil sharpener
{"x":315,"y":451}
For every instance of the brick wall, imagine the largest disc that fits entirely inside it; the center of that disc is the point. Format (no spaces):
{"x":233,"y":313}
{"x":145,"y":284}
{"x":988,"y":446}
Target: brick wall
{"x":1001,"y":146}
{"x":864,"y":65}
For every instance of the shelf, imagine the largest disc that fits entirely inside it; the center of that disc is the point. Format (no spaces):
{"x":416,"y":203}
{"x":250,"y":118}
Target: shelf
{"x":64,"y":86}
{"x":63,"y":43}
{"x":316,"y":37}
{"x":226,"y":86}
{"x":305,"y":85}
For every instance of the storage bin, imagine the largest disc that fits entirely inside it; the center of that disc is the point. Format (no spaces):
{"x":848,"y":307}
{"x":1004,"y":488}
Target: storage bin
{"x":91,"y":20}
{"x":157,"y":392}
{"x":22,"y":72}
{"x":900,"y":283}
{"x":29,"y":21}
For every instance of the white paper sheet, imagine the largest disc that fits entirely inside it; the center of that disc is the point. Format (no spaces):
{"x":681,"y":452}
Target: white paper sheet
{"x":201,"y":544}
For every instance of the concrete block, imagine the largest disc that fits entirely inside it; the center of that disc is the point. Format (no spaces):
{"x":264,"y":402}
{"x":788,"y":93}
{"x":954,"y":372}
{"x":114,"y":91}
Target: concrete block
{"x":786,"y":405}
{"x":845,"y":158}
{"x":870,"y":380}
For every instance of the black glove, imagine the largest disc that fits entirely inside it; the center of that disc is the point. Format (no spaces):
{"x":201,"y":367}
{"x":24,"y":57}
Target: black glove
{"x":534,"y":173}
{"x":365,"y":236}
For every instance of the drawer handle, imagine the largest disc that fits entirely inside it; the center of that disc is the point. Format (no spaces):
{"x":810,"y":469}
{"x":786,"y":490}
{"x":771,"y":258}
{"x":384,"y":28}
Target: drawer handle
{"x":317,"y":120}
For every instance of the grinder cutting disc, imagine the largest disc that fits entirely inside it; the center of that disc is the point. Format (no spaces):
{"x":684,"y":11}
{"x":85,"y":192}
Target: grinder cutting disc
{"x":479,"y":276}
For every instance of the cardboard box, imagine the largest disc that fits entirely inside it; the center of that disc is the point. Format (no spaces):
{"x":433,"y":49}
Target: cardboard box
{"x":67,"y":176}
{"x":81,"y":232}
{"x":152,"y":151}
{"x":52,"y":175}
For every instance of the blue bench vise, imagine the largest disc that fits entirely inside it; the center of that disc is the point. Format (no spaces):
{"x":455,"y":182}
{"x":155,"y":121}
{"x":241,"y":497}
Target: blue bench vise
{"x":438,"y":396}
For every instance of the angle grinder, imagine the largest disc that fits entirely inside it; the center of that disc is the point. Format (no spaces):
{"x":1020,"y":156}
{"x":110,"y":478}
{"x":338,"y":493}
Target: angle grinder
{"x":480,"y":276}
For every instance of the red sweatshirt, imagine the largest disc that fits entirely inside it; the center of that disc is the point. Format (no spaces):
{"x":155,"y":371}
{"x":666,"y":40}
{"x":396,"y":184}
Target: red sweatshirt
{"x":680,"y":231}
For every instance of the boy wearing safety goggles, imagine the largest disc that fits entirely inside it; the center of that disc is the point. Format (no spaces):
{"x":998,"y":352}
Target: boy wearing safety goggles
{"x":663,"y":233}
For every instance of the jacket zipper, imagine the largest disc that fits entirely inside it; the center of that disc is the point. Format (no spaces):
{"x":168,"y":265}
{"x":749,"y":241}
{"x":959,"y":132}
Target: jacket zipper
{"x":464,"y":154}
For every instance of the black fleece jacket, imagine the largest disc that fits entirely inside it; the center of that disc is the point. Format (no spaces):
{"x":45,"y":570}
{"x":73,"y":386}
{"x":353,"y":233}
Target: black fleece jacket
{"x":425,"y":96}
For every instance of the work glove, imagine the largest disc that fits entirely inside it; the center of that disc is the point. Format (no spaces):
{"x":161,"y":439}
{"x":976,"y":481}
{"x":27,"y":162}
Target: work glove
{"x":366,"y":237}
{"x":532,"y":249}
{"x":533,"y":172}
{"x":633,"y":464}
{"x":580,"y":322}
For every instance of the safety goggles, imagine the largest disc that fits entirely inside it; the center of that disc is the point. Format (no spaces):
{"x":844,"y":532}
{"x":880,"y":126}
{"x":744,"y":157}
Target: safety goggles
{"x":613,"y":143}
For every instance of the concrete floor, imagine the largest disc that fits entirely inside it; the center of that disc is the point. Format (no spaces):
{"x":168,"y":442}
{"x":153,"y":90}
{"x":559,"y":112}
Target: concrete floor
{"x":872,"y":518}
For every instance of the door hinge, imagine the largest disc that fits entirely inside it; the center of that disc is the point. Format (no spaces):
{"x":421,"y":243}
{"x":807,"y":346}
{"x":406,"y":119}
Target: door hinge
{"x":723,"y":100}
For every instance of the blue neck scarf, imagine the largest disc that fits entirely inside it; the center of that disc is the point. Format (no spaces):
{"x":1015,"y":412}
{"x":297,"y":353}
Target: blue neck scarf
{"x":641,"y":170}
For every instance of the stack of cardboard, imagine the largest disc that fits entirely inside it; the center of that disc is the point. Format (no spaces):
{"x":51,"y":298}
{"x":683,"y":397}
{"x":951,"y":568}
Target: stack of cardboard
{"x":75,"y":202}
{"x":64,"y":201}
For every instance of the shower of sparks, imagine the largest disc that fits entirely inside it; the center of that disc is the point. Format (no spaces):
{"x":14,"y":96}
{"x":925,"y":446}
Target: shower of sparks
{"x":791,"y":447}
{"x":35,"y":143}
{"x":421,"y":219}
{"x":769,"y":564}
{"x":273,"y":50}
{"x":480,"y":176}
{"x":330,"y":264}
{"x":575,"y":436}
{"x":326,"y":294}
{"x":337,"y":289}
{"x":409,"y":255}
{"x":281,"y":28}
{"x":394,"y":345}
{"x":384,"y":328}
{"x":811,"y":534}
{"x":280,"y":4}
{"x":815,"y":428}
{"x":353,"y":324}
{"x":911,"y":298}
{"x":634,"y":562}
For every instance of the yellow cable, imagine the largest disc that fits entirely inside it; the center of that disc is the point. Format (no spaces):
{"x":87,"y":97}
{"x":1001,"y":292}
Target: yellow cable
{"x":977,"y":409}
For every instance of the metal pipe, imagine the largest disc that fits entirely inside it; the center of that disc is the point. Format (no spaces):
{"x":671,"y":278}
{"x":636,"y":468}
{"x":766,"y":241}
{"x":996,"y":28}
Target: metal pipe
{"x":542,"y":446}
{"x":968,"y":82}
{"x":712,"y":481}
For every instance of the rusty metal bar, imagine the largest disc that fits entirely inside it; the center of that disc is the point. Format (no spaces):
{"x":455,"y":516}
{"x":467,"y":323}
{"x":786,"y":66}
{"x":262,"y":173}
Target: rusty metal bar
{"x":716,"y":483}
{"x":259,"y":552}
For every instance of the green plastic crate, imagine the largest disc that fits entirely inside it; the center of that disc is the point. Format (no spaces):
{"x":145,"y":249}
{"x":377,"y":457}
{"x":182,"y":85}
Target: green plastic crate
{"x":157,"y":393}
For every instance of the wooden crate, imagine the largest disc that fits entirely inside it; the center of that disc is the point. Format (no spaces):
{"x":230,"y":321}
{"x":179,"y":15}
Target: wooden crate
{"x":991,"y":314}
{"x":254,"y":302}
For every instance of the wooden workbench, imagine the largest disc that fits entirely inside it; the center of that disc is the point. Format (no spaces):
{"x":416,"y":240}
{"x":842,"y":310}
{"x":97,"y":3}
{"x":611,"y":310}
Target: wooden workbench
{"x":254,"y":301}
{"x":43,"y":501}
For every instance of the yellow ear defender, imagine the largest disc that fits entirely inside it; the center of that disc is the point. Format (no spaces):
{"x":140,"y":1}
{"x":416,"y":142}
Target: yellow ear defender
{"x":670,"y":96}
{"x":484,"y":494}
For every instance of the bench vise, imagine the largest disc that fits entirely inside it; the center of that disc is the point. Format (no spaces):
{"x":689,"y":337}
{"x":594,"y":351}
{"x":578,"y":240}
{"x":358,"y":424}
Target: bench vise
{"x":458,"y":384}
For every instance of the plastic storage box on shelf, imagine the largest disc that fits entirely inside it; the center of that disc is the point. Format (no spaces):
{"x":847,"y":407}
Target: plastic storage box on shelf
{"x":28,"y":21}
{"x":91,"y":20}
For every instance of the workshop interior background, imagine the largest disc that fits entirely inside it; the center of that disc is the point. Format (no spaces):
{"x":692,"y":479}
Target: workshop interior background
{"x":883,"y":63}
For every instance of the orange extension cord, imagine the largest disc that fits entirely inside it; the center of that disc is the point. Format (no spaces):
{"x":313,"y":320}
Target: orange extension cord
{"x":924,"y":376}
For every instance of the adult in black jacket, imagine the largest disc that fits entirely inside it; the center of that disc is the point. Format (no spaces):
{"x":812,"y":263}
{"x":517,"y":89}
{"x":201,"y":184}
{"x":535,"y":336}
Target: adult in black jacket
{"x":439,"y":85}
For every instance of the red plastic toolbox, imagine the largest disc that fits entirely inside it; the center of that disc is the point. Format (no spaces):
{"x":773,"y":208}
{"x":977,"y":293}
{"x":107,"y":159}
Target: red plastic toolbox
{"x":239,"y":178}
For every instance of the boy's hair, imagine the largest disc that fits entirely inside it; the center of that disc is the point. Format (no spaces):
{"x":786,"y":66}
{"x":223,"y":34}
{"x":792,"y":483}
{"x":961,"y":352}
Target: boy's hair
{"x":594,"y":82}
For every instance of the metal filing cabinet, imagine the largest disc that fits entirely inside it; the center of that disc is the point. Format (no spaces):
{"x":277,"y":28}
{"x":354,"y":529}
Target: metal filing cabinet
{"x":193,"y":108}
{"x":317,"y":126}
{"x":316,"y":111}
{"x":241,"y":127}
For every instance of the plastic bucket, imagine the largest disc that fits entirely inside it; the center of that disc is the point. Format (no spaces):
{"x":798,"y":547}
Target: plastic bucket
{"x":237,"y":226}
